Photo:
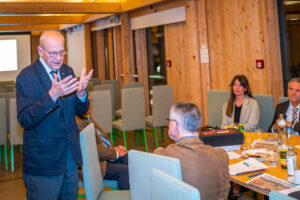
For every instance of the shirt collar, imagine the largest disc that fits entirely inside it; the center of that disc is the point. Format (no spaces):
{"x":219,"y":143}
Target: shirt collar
{"x":291,"y":106}
{"x":185,"y":137}
{"x":48,"y":69}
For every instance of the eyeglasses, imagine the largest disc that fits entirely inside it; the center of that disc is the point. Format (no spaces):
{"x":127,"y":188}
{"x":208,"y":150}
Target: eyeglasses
{"x":172,"y":120}
{"x":54,"y":54}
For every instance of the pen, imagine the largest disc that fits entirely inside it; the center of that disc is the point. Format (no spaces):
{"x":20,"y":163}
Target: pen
{"x":254,"y":175}
{"x":245,"y":163}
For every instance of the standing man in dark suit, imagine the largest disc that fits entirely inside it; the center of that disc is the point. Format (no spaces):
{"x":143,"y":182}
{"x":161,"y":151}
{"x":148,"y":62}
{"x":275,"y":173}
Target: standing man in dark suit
{"x":290,"y":109}
{"x":48,"y":98}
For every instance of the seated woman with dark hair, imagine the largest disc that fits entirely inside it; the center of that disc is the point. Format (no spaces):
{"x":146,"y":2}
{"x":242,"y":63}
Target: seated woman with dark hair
{"x":241,"y":108}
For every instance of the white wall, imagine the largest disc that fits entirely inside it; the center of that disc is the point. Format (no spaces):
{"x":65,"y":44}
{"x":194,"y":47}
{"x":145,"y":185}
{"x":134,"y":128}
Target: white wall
{"x":76,"y":50}
{"x":24,"y":55}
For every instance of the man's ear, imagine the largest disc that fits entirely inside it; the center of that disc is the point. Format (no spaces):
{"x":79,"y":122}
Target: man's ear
{"x":40,"y":50}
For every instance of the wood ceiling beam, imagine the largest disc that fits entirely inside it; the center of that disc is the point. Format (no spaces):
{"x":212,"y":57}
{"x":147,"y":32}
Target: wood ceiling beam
{"x":292,"y":9}
{"x":14,"y":20}
{"x":36,"y":27}
{"x":134,"y":4}
{"x":59,"y":7}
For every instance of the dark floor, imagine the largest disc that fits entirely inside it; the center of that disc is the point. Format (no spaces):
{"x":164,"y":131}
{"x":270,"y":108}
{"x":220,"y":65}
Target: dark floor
{"x":11,"y":183}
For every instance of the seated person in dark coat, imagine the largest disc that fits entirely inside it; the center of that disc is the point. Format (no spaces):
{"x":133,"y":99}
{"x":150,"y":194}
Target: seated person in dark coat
{"x":113,"y":160}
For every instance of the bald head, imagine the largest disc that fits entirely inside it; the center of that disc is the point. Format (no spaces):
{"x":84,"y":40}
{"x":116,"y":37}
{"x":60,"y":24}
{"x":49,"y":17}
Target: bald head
{"x":52,"y":49}
{"x":50,"y":35}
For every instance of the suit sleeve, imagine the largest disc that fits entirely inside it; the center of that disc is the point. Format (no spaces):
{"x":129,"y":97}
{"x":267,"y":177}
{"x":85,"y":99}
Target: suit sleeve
{"x":31,"y":111}
{"x":274,"y":119}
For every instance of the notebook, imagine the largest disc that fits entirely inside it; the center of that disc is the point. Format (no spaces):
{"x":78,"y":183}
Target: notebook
{"x":245,"y":166}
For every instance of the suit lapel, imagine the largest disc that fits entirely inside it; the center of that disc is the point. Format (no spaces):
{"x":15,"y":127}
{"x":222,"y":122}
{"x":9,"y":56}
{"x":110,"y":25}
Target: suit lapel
{"x":42,"y":74}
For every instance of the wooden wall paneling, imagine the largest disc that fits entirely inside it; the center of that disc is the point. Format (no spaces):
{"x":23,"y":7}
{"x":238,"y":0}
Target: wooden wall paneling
{"x":142,"y":65}
{"x":35,"y":37}
{"x":111,"y":55}
{"x":88,"y":47}
{"x":203,"y":40}
{"x":272,"y":47}
{"x":127,"y":48}
{"x":193,"y":54}
{"x":100,"y":54}
{"x":238,"y":35}
{"x":293,"y":29}
{"x":176,"y":52}
{"x":118,"y":54}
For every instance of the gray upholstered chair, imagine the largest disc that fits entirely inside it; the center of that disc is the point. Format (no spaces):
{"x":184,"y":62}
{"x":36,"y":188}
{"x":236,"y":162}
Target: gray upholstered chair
{"x":7,"y":96}
{"x":118,"y":113}
{"x":283,"y":99}
{"x":15,"y":130}
{"x":132,"y":85}
{"x":133,"y":114}
{"x":140,"y":165}
{"x":101,"y":109}
{"x":96,"y":81}
{"x":109,"y":87}
{"x":166,"y":187}
{"x":116,"y":96}
{"x":92,"y":178}
{"x":162,"y":102}
{"x":3,"y":132}
{"x":266,"y":104}
{"x":90,"y":86}
{"x":215,"y":101}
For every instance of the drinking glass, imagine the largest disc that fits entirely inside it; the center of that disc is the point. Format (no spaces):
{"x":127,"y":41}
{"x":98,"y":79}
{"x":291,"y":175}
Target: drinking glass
{"x":259,"y":133}
{"x":273,"y":158}
{"x":248,"y":143}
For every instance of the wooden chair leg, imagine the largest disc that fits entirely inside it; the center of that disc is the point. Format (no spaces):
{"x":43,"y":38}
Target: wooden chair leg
{"x":124,"y":139}
{"x":162,"y":134}
{"x":145,"y":140}
{"x":136,"y":137}
{"x":155,"y":137}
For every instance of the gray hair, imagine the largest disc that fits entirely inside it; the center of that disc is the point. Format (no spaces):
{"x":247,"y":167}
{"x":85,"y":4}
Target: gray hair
{"x":46,"y":34}
{"x":295,"y":79}
{"x":188,"y":116}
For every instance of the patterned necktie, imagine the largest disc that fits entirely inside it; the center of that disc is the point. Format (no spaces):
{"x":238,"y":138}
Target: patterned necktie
{"x":104,"y":140}
{"x":294,"y":120}
{"x":52,"y":73}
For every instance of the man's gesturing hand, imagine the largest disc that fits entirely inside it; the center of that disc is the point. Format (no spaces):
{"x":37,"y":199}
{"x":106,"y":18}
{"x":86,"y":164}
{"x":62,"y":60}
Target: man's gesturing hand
{"x":83,"y":82}
{"x":63,"y":87}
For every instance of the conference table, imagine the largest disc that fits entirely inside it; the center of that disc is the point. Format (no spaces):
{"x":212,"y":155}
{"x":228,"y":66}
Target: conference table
{"x":277,"y":171}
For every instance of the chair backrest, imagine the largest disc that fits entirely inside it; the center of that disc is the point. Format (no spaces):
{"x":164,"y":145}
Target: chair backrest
{"x":166,"y":187}
{"x":109,"y":87}
{"x":93,"y":184}
{"x":162,"y":102}
{"x":283,"y":99}
{"x":15,"y":130}
{"x":90,"y":86}
{"x":275,"y":195}
{"x":133,"y":109}
{"x":266,"y":104}
{"x":132,"y":85}
{"x":3,"y":129}
{"x":116,"y":97}
{"x":140,"y":165}
{"x":215,"y":101}
{"x":96,"y":81}
{"x":7,"y":96}
{"x":101,"y":109}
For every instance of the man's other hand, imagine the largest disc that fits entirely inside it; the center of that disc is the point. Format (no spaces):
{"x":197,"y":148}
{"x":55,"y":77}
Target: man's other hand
{"x":83,"y":82}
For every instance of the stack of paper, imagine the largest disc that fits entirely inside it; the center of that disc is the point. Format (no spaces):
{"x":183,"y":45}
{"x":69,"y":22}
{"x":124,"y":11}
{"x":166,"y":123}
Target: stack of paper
{"x":249,"y":165}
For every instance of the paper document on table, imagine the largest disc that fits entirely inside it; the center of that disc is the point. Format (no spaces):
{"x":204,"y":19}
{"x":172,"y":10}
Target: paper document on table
{"x":232,"y":155}
{"x":269,"y":182}
{"x":245,"y":166}
{"x":230,"y":147}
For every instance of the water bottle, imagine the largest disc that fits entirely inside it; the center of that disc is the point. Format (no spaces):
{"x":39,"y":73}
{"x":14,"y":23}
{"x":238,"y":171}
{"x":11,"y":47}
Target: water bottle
{"x":291,"y":158}
{"x":282,"y":129}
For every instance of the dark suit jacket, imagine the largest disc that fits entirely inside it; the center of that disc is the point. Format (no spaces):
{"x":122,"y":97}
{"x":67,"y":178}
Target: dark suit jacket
{"x":281,"y":109}
{"x":49,"y":128}
{"x":104,"y":153}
